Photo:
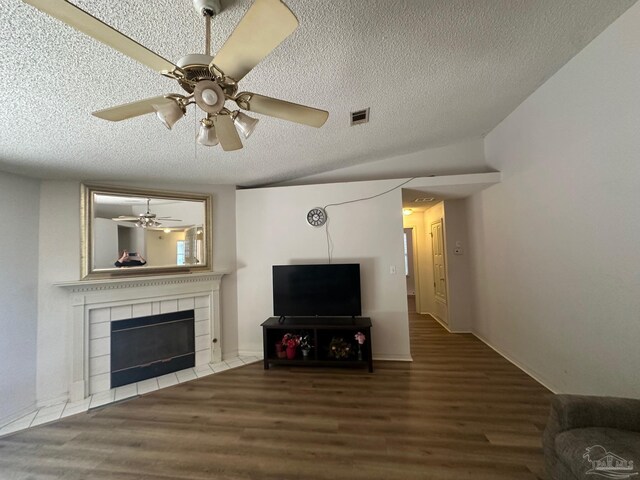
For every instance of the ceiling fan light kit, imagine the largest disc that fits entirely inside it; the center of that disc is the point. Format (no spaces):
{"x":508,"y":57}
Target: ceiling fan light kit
{"x":209,"y":81}
{"x":209,"y":96}
{"x":245,"y":123}
{"x":207,"y":133}
{"x":169,"y":113}
{"x":145,"y":220}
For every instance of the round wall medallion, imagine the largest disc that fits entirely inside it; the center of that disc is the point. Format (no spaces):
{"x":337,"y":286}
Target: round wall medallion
{"x":316,"y":217}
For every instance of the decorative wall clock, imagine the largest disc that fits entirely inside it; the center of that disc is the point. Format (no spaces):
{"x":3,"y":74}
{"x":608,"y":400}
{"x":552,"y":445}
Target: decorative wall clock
{"x":317,"y":217}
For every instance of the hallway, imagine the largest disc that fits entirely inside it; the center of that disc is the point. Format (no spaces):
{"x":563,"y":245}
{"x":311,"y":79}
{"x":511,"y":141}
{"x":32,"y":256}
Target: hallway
{"x":500,"y":411}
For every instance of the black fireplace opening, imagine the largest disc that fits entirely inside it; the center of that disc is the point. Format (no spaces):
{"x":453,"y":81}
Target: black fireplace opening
{"x":147,"y":347}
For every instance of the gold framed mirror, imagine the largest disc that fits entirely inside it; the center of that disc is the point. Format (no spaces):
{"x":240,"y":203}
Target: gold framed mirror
{"x":134,"y":232}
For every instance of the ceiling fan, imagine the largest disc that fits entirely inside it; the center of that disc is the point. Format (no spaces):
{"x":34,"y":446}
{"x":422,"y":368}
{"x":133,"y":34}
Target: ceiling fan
{"x":145,"y":220}
{"x":209,"y":81}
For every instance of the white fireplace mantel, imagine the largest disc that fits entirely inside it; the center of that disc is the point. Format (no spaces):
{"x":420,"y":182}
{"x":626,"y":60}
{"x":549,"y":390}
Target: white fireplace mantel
{"x":87,"y":298}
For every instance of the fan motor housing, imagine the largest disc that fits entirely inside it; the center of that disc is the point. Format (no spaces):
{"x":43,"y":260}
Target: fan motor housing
{"x":196,"y":68}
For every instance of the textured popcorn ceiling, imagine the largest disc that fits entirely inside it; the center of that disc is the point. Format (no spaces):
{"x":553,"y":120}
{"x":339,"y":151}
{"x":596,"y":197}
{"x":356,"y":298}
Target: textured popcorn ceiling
{"x":432,"y":71}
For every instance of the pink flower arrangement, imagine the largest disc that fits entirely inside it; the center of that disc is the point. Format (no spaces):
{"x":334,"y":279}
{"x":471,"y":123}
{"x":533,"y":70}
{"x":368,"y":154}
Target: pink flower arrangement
{"x":360,"y":338}
{"x":290,"y":341}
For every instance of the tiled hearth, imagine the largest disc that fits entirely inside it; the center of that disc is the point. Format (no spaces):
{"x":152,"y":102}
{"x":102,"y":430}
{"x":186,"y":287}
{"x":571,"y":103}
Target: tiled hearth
{"x":66,"y":409}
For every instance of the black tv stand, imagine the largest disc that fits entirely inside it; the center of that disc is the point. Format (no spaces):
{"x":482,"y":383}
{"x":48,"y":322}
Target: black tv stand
{"x":321,"y":330}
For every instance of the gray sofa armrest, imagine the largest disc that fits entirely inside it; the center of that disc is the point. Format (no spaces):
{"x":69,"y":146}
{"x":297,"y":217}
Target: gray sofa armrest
{"x":579,"y":411}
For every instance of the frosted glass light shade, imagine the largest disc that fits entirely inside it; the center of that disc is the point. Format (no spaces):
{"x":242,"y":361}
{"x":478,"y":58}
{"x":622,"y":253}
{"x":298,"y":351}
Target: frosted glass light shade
{"x":209,"y":96}
{"x":169,"y":113}
{"x":245,"y":123}
{"x":207,"y":136}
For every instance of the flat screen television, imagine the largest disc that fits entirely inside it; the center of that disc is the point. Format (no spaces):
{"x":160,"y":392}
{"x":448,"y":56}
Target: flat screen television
{"x":328,"y":290}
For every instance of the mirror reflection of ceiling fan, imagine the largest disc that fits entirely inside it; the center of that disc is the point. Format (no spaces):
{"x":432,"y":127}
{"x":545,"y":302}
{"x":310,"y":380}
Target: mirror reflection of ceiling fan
{"x":209,"y":81}
{"x":145,"y":220}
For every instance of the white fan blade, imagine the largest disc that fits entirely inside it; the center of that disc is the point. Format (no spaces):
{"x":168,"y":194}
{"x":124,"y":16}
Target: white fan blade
{"x":273,"y":107}
{"x":130,"y":110}
{"x":227,"y":133}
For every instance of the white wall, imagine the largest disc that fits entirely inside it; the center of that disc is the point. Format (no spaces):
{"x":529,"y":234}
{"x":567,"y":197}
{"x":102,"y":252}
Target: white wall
{"x":272,"y":230}
{"x":60,"y":261}
{"x":458,"y":266}
{"x":556,"y":244}
{"x":458,"y":158}
{"x":105,"y":238}
{"x":19,"y":202}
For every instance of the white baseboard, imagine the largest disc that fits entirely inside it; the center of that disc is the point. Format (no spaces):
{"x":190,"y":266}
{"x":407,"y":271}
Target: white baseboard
{"x":445,"y":326}
{"x":518,"y":364}
{"x":250,"y":353}
{"x":393,"y":358}
{"x":441,"y":322}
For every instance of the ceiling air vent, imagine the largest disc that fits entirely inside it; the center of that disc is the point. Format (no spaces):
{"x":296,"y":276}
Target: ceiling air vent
{"x":424,"y":200}
{"x":360,"y":116}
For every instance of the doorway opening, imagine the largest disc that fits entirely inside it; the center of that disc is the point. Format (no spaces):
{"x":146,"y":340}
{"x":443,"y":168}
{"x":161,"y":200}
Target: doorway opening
{"x":410,"y":268}
{"x":423,"y":268}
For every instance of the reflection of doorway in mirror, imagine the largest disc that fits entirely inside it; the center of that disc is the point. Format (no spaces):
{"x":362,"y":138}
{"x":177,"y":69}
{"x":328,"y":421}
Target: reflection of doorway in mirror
{"x":193,"y":245}
{"x":161,"y":247}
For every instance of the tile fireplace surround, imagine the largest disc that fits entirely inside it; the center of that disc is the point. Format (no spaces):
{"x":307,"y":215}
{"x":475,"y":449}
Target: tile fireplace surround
{"x":94,"y":304}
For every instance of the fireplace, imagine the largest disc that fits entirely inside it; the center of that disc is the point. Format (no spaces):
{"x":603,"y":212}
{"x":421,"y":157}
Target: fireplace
{"x":150,"y":346}
{"x":94,"y":305}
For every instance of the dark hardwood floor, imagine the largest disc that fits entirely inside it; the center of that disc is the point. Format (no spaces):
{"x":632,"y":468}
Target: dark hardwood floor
{"x":459,"y":411}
